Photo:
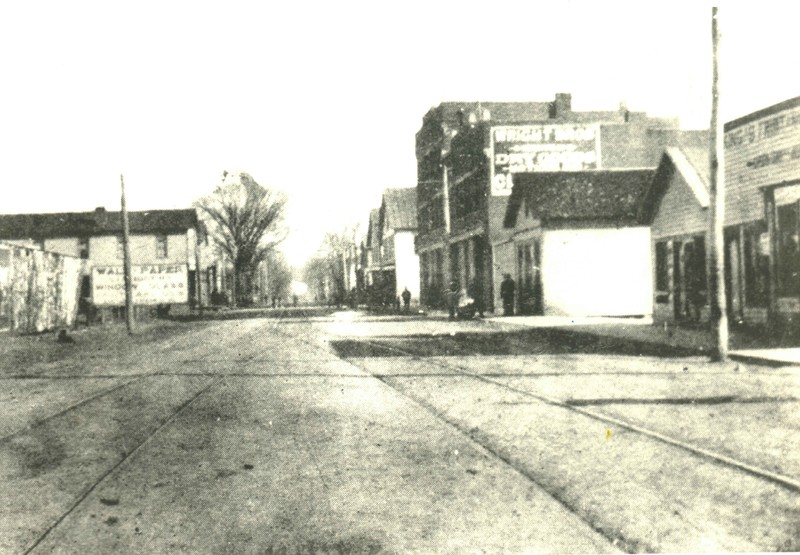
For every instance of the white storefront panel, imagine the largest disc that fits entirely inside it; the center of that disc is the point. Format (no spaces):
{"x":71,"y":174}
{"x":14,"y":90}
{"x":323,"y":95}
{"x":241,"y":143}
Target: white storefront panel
{"x":597,"y":272}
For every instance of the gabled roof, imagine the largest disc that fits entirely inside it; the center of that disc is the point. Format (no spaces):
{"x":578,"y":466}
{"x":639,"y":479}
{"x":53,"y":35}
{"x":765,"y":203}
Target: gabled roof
{"x":692,"y":164}
{"x":98,"y":222}
{"x":614,"y":195}
{"x":399,"y":209}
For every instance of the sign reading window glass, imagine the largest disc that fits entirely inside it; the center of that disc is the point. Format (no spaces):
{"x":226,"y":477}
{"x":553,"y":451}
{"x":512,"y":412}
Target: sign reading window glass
{"x":156,"y":284}
{"x":541,"y":148}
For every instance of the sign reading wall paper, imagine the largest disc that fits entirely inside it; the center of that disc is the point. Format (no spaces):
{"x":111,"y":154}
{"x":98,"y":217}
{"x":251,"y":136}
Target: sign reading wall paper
{"x":541,"y":148}
{"x":152,"y":285}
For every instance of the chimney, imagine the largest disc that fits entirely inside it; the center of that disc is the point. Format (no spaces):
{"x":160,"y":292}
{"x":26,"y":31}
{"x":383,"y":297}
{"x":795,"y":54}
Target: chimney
{"x":563,"y":104}
{"x":100,"y":216}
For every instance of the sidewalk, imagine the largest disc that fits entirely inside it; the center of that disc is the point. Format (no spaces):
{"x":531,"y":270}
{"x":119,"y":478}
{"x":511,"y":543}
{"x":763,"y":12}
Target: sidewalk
{"x":746,"y":344}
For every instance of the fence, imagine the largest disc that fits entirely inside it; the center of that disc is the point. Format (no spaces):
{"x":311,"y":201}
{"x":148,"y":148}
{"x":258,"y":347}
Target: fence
{"x":38,"y":290}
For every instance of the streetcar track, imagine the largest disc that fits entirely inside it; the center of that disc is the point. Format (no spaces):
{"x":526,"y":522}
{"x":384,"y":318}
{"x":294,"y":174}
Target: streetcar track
{"x":615,"y":537}
{"x":128,"y":455}
{"x":784,"y":481}
{"x":69,"y":409}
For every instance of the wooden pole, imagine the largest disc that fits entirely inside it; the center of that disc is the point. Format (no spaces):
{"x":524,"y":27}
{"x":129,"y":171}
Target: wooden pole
{"x":126,"y":250}
{"x":719,"y":312}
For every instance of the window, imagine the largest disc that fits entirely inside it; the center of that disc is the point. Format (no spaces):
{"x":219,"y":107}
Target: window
{"x":120,"y":247}
{"x":789,"y":249}
{"x":662,"y":271}
{"x":83,"y":247}
{"x":161,"y":246}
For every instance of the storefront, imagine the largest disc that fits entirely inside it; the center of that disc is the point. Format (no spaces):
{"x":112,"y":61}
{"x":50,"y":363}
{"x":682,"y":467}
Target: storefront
{"x":762,"y":222}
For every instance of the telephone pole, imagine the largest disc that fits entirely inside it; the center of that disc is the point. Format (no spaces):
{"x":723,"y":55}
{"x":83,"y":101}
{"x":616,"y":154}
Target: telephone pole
{"x":126,"y":260}
{"x":719,"y":312}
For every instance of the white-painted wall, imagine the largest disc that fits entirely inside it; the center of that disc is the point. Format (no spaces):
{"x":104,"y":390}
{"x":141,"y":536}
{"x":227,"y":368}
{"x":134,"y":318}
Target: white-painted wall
{"x":597,"y":272}
{"x":406,"y":264}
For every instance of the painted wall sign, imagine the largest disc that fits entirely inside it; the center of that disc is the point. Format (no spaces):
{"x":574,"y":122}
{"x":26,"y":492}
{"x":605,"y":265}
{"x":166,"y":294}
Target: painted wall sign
{"x":541,"y":148}
{"x":156,"y":284}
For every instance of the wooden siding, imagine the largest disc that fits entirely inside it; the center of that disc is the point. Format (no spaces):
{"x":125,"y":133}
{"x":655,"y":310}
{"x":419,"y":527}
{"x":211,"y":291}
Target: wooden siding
{"x":764,"y":151}
{"x":679,"y":212}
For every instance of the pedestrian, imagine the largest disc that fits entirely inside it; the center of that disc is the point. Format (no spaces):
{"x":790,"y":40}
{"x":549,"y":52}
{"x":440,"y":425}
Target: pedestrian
{"x":476,"y":292}
{"x":507,"y":289}
{"x":406,"y":294}
{"x":452,"y":299}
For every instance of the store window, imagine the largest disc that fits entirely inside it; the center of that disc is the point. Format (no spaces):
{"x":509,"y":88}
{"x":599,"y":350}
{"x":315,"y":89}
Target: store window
{"x":662,"y":271}
{"x":789,"y":249}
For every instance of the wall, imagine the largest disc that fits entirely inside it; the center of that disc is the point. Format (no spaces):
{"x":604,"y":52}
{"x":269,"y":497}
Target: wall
{"x":39,"y":291}
{"x":761,"y":149}
{"x":679,"y":212}
{"x":597,"y":272}
{"x":406,"y":264}
{"x":63,"y":245}
{"x":103,"y":250}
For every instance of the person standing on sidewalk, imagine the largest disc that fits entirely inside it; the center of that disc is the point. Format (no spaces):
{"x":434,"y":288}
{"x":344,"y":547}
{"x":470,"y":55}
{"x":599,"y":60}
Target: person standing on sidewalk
{"x":452,"y":299}
{"x":406,"y":295}
{"x":507,"y":289}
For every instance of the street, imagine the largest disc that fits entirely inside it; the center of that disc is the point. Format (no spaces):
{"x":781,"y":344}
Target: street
{"x":356,"y":433}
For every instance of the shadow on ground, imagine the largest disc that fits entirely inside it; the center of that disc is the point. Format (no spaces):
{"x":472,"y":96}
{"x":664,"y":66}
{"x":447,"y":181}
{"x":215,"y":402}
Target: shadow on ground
{"x":539,"y":341}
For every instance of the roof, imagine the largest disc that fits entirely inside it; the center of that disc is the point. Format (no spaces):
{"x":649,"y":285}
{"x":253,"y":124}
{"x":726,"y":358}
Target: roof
{"x":399,"y":209}
{"x":97,"y":222}
{"x":693,"y":165}
{"x":615,"y":195}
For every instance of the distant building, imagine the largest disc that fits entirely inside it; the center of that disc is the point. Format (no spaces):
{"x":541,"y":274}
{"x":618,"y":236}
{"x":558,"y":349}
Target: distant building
{"x":393,"y":265}
{"x":581,"y":241}
{"x":468,"y":154}
{"x":166,"y":248}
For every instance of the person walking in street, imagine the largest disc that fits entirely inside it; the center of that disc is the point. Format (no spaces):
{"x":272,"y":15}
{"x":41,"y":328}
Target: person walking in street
{"x":406,"y":294}
{"x":507,"y":289}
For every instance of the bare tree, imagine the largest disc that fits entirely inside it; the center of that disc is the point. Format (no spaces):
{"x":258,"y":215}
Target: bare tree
{"x":327,"y":272}
{"x":245,"y":221}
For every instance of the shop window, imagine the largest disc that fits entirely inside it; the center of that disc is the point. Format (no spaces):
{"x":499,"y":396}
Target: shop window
{"x":697,"y":270}
{"x":662,"y":268}
{"x":161,"y":246}
{"x":756,"y":266}
{"x":789,"y":250}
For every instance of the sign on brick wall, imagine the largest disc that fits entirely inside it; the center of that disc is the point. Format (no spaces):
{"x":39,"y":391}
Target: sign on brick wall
{"x":155,"y":284}
{"x":541,"y":148}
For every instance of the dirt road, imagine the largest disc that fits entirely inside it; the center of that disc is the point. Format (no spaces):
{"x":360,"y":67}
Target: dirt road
{"x":247,"y":436}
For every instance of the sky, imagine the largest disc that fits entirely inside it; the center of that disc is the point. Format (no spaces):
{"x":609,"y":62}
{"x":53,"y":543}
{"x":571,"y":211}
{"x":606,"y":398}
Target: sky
{"x":322,"y":99}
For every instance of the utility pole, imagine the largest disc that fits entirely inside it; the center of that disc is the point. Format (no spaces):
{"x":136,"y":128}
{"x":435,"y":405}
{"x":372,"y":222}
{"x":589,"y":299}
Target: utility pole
{"x":719,"y":312}
{"x":126,"y":260}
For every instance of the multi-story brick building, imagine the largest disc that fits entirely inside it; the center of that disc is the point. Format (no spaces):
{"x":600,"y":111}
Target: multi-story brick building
{"x":467,"y":154}
{"x":166,"y":248}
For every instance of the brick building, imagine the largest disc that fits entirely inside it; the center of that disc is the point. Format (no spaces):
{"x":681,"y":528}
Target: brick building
{"x":467,"y":154}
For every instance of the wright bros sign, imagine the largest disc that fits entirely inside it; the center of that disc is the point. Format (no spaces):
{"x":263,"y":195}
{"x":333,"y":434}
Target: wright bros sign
{"x":541,"y":148}
{"x":156,"y":284}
